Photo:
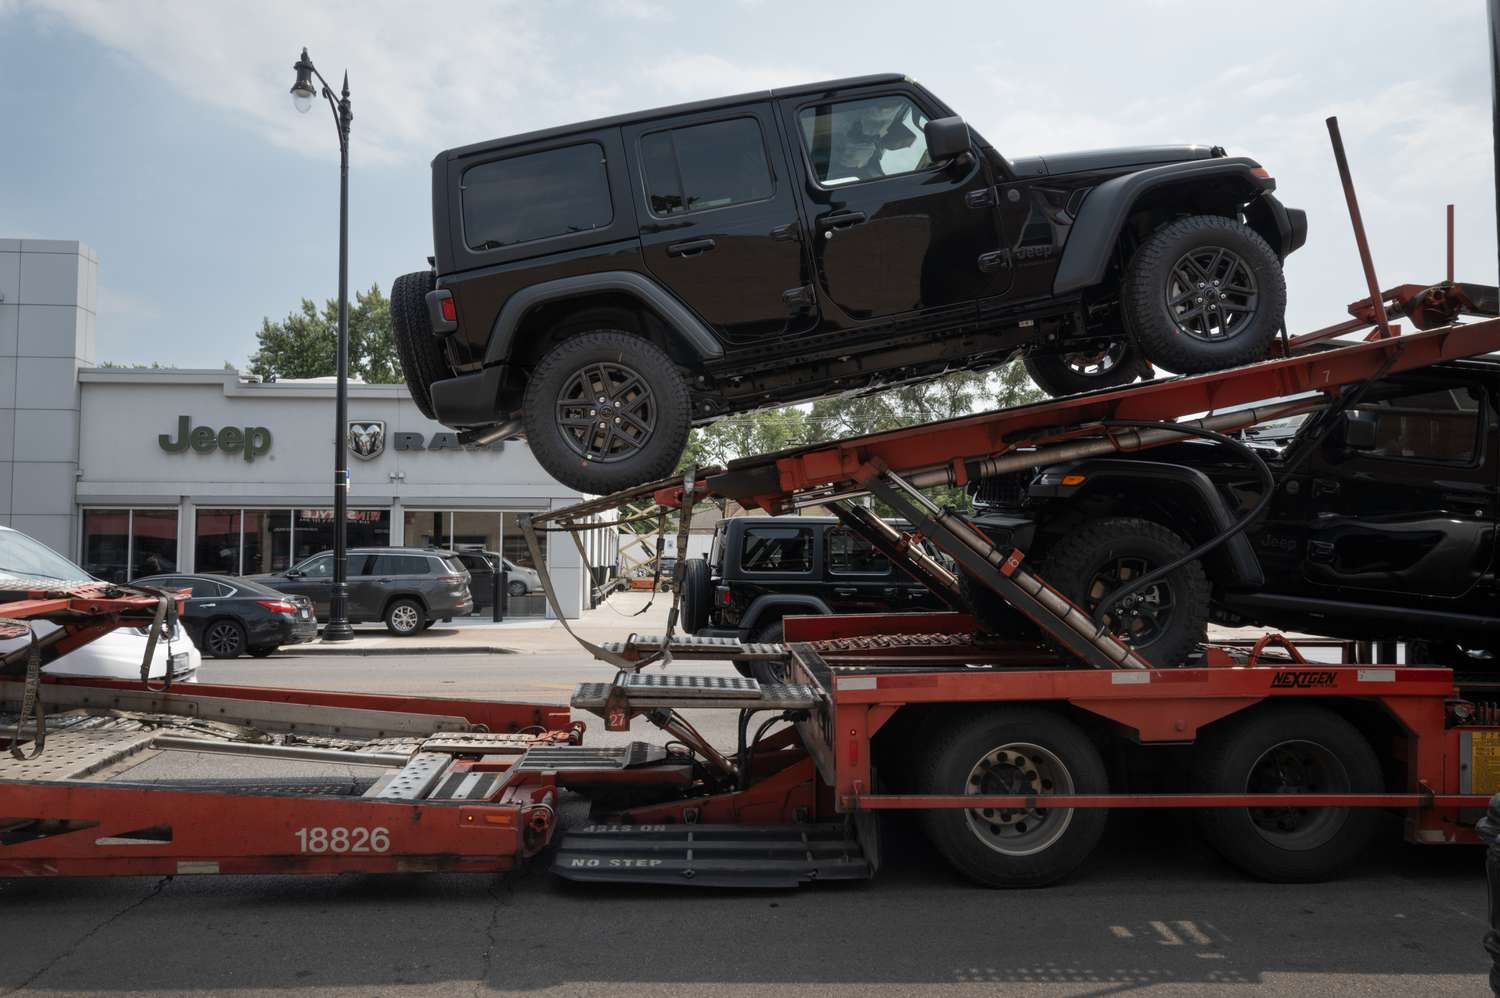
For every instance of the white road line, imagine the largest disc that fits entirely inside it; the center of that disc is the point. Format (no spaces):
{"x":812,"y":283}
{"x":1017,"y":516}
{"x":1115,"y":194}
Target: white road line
{"x":1120,"y":932}
{"x":1193,"y":933}
{"x":1168,"y":937}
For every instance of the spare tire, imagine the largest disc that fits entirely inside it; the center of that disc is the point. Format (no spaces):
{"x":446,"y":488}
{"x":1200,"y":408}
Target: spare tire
{"x":423,"y":359}
{"x":697,"y":594}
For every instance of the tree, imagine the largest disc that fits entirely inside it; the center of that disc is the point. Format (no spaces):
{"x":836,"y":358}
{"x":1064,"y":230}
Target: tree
{"x":304,"y":344}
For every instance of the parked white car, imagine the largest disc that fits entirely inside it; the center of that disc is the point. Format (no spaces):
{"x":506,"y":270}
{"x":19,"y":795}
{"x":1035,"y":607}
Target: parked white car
{"x":518,"y":573}
{"x":116,"y":655}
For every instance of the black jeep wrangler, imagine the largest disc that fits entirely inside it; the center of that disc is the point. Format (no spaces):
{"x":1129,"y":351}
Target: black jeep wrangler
{"x":1381,"y":525}
{"x":603,"y":287}
{"x":763,"y":568}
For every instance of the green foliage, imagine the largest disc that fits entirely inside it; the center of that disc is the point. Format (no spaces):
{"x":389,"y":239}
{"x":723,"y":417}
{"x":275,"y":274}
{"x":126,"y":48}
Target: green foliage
{"x":155,"y":365}
{"x":768,"y":430}
{"x":305,"y":343}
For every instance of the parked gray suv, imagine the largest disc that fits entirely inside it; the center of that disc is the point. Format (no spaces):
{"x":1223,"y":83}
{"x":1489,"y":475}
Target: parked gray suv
{"x":408,"y":588}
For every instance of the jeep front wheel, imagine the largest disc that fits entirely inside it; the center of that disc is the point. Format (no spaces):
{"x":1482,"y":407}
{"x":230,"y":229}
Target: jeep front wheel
{"x":1085,"y":368}
{"x":1168,"y":619}
{"x":1204,"y":293}
{"x":605,"y":411}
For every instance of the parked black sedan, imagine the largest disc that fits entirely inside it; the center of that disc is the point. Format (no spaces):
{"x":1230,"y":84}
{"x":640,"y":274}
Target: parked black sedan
{"x":229,"y":616}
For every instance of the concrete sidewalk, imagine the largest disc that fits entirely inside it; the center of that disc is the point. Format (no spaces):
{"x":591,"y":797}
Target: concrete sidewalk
{"x":614,"y":620}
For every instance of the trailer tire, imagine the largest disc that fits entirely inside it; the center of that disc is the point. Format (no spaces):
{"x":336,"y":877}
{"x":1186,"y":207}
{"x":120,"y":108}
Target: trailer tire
{"x":697,"y":595}
{"x":1013,"y":750}
{"x":1298,"y":749}
{"x":422,"y":356}
{"x":1084,"y":563}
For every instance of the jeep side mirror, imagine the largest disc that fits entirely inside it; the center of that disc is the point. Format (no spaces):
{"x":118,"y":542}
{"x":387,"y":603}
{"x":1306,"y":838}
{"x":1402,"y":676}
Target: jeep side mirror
{"x":1357,"y":432}
{"x":947,"y":139}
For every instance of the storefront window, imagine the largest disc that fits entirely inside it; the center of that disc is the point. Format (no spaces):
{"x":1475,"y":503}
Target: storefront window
{"x":424,"y":527}
{"x":475,"y":531}
{"x":368,"y":528}
{"x":124,"y":544}
{"x":268,"y":541}
{"x":217,"y":546}
{"x":515,"y":548}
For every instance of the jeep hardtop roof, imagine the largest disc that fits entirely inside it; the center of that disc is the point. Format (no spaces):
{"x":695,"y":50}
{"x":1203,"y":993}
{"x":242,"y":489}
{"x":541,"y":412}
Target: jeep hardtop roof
{"x":665,"y":112}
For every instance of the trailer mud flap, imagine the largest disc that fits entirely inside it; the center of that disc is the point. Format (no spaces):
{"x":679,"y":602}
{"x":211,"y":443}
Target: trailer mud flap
{"x":772,"y":856}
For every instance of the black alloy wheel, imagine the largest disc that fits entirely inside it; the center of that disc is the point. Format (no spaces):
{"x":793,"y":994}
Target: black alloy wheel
{"x":224,"y":639}
{"x":1142,"y":617}
{"x":607,"y":412}
{"x":1086,"y":367}
{"x":1211,"y":293}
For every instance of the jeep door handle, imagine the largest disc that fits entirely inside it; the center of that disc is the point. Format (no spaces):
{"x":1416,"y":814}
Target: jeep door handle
{"x":842,"y":220}
{"x":692,"y":247}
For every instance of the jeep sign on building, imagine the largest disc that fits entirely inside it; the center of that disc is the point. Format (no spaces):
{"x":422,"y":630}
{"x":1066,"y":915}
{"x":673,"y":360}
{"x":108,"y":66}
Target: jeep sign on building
{"x":134,"y":471}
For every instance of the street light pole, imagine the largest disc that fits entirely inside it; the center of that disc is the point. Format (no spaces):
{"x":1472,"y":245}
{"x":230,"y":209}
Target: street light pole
{"x":303,"y":92}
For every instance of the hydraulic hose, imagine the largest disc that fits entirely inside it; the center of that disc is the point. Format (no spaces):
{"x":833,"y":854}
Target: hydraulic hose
{"x":1268,"y":483}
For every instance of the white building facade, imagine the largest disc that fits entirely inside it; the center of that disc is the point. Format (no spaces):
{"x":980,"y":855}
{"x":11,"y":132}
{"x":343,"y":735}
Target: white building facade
{"x":132,"y":471}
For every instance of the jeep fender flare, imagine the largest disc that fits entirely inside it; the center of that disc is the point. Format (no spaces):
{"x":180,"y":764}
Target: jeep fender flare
{"x":1100,"y":220}
{"x":680,"y":321}
{"x":1234,"y":561}
{"x":762,"y":608}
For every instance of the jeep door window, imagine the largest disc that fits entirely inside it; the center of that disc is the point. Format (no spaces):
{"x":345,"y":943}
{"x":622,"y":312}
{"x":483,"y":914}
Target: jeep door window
{"x":542,"y":194}
{"x":864,"y":139}
{"x":851,"y":554}
{"x":1434,"y":424}
{"x":777,"y":549}
{"x":713,"y":165}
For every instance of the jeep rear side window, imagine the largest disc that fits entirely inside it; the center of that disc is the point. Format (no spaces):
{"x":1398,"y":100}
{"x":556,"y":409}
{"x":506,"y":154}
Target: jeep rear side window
{"x":705,"y":166}
{"x":777,"y":549}
{"x":1431,"y":425}
{"x":851,"y":554}
{"x":864,"y":139}
{"x":543,"y":194}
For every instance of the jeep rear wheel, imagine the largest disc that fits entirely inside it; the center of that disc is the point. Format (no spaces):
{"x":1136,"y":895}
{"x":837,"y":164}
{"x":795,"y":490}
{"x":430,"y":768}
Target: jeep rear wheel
{"x":1204,"y":293}
{"x":606,"y":410}
{"x":420,"y":352}
{"x":1086,"y":367}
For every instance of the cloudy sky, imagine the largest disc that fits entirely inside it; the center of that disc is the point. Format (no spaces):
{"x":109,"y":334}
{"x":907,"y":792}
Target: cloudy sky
{"x":161,"y":132}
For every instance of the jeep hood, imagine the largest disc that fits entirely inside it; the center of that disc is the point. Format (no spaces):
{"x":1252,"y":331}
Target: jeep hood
{"x":1108,"y":159}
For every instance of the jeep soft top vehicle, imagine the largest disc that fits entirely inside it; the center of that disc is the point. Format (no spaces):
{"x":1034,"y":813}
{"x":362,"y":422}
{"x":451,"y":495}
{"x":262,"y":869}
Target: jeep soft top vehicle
{"x":763,"y":568}
{"x":1382,"y":525}
{"x":605,"y":286}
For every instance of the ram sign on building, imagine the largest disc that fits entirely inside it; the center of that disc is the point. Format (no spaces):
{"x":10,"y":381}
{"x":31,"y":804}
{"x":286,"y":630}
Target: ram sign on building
{"x":136,"y":471}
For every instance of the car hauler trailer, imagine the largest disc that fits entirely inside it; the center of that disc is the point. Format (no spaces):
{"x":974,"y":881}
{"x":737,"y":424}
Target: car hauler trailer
{"x":1013,"y":750}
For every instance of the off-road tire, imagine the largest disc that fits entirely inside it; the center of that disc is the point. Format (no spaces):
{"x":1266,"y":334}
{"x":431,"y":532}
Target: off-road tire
{"x":697,"y":595}
{"x":224,"y":639}
{"x":405,"y":617}
{"x":1052,"y":374}
{"x":949,"y":760}
{"x":764,"y":670}
{"x":1228,"y":757}
{"x":654,"y":459}
{"x":1148,"y":276}
{"x":421,"y":353}
{"x":1073,"y":563}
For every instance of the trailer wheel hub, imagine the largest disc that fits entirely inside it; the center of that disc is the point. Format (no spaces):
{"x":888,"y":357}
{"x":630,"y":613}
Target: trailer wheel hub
{"x":1297,"y":767}
{"x":1019,"y":768}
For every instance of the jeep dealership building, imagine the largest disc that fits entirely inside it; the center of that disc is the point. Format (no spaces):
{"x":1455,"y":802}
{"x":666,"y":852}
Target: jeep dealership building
{"x":135,"y":471}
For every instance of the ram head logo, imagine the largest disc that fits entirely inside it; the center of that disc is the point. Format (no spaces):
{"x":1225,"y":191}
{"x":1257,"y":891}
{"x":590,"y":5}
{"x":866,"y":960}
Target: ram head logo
{"x":366,"y":439}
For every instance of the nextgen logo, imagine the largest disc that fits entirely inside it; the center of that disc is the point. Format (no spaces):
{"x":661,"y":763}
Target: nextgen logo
{"x":1302,"y":680}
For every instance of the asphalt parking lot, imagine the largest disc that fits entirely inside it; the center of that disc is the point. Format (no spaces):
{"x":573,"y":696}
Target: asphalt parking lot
{"x":1156,"y":912}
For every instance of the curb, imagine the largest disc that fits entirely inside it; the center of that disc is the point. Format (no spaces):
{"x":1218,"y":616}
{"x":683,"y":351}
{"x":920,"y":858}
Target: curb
{"x":303,"y":650}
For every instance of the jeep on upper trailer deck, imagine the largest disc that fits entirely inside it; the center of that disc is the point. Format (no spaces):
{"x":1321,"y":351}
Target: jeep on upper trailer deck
{"x":602,"y":287}
{"x":1381,"y":525}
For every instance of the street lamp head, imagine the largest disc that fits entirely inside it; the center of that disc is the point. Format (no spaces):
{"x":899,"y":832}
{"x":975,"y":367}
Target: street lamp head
{"x":303,"y":90}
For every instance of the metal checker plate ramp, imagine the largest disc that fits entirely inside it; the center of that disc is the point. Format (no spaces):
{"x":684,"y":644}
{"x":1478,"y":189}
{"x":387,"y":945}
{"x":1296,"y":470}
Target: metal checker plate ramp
{"x":693,"y":647}
{"x":578,"y":758}
{"x":688,"y":686}
{"x":771,"y":856}
{"x":71,"y":755}
{"x":415,"y":779}
{"x":793,"y":696}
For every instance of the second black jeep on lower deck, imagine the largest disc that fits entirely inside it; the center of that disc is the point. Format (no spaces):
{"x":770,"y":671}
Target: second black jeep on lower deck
{"x":1382,"y":525}
{"x":763,"y":568}
{"x":605,"y":286}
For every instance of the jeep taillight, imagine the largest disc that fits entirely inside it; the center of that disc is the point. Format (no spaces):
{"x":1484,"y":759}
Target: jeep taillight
{"x":449,"y":309}
{"x":722,"y":596}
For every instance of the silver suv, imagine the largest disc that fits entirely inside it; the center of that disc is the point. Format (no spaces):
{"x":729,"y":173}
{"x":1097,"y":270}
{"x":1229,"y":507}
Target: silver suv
{"x":407,"y":588}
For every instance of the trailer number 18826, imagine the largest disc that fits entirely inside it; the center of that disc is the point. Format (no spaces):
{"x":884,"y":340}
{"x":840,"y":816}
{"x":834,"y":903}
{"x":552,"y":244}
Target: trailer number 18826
{"x":357,"y":839}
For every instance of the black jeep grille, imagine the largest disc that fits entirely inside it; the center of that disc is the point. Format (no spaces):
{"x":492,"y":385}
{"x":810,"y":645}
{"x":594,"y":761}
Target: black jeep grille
{"x":1002,"y":491}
